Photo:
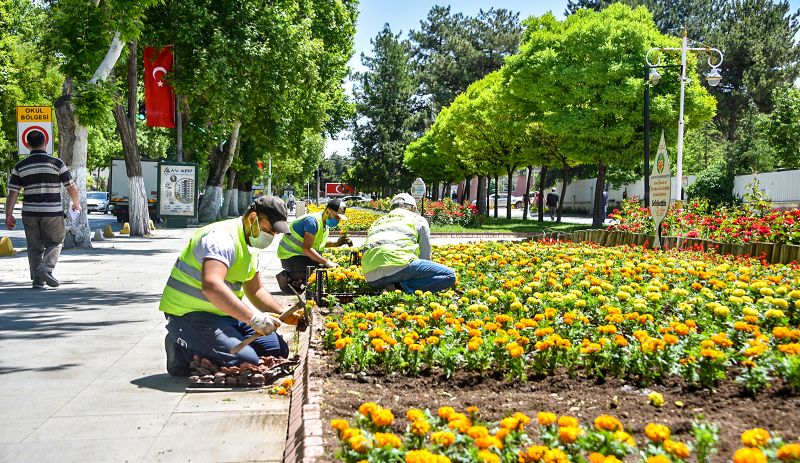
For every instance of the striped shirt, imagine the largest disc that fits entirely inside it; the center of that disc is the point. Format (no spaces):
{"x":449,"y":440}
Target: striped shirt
{"x":41,"y":176}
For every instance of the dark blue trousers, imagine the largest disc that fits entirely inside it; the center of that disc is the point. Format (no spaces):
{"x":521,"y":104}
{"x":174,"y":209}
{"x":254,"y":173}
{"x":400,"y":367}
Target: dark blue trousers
{"x":213,"y":336}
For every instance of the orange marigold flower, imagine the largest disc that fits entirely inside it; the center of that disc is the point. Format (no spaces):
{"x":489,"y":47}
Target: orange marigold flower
{"x":678,"y":449}
{"x":476,"y":432}
{"x":546,"y":418}
{"x":522,"y":418}
{"x":789,"y":452}
{"x":367,"y":408}
{"x":487,"y":456}
{"x":533,"y":454}
{"x":382,"y":417}
{"x":488,"y":441}
{"x":656,"y":432}
{"x":509,"y":423}
{"x":443,"y":438}
{"x":420,"y":427}
{"x":339,"y":425}
{"x":658,"y":459}
{"x":359,"y":443}
{"x":757,"y":437}
{"x":749,"y":455}
{"x":414,"y":414}
{"x":607,"y":423}
{"x":473,"y":410}
{"x":569,"y":434}
{"x":556,"y":456}
{"x":445,"y":412}
{"x":568,"y":421}
{"x":387,"y":440}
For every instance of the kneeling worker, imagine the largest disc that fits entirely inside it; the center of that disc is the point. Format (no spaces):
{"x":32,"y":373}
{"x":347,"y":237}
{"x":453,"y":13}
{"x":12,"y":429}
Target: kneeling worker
{"x":398,"y":251}
{"x":303,"y":246}
{"x":203,"y":297}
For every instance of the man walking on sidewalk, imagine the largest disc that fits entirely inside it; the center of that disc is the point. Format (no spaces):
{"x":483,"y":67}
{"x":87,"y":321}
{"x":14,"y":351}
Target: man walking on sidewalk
{"x":41,"y":176}
{"x":552,"y":203}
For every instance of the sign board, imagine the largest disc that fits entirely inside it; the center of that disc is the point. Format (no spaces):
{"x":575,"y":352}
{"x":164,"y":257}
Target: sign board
{"x":34,"y":119}
{"x":339,"y":189}
{"x":418,"y":189}
{"x":660,"y":188}
{"x":685,"y":181}
{"x":177,"y":189}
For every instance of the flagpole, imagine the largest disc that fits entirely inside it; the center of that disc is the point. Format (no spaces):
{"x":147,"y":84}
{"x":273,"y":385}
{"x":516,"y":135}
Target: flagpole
{"x":178,"y":118}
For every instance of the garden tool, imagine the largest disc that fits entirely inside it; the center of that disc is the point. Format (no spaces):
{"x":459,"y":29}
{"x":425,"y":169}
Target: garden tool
{"x":284,"y":317}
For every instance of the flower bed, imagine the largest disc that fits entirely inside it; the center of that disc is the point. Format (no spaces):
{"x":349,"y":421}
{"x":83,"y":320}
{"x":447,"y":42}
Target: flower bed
{"x":738,"y":225}
{"x":357,"y":220}
{"x":445,"y":212}
{"x":450,"y":435}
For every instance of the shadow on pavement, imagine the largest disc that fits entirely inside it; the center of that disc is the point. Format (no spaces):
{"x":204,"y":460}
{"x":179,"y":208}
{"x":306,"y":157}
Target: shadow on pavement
{"x":161,"y":382}
{"x":7,"y":370}
{"x":27,"y":314}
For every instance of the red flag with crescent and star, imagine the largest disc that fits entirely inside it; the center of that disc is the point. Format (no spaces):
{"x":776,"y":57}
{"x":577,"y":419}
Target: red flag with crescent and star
{"x":159,"y":99}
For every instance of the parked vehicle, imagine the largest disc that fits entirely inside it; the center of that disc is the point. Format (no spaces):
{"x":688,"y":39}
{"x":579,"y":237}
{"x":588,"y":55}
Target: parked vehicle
{"x":352,"y":199}
{"x":118,"y":188}
{"x":502,"y":201}
{"x":97,"y":201}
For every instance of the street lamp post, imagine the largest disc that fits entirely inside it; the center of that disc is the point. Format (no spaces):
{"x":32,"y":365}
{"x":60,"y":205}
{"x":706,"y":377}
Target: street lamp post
{"x":713,"y":78}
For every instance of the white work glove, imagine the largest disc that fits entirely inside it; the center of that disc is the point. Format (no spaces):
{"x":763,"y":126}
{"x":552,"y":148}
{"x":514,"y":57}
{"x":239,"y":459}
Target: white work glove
{"x":330,"y":264}
{"x":264,"y":323}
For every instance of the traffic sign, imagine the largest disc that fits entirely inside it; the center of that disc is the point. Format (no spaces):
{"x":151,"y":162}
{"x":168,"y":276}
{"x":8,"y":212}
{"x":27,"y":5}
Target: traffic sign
{"x":418,"y":189}
{"x":34,"y":119}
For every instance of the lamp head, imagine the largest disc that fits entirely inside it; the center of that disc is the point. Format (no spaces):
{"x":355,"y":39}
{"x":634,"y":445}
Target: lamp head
{"x":713,"y":77}
{"x":654,"y":77}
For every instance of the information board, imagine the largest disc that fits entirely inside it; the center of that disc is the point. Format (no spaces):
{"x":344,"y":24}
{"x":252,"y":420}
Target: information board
{"x":660,"y":188}
{"x":177,"y":189}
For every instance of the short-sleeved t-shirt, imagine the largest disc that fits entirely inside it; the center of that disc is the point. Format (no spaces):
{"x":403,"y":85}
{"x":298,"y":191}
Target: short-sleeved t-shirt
{"x":217,"y":245}
{"x":306,"y":225}
{"x":41,"y":177}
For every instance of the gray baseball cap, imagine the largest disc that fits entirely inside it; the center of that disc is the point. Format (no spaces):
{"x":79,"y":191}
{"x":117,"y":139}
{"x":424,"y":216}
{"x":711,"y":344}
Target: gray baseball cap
{"x":275,"y":210}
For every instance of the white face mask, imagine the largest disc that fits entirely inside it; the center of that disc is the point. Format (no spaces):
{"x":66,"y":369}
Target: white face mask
{"x":262,"y":240}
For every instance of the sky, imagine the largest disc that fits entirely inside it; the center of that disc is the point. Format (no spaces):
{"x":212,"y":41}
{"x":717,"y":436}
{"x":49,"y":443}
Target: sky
{"x":406,"y":15}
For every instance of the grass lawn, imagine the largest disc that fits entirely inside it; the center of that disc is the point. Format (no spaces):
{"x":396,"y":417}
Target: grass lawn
{"x":492,"y":225}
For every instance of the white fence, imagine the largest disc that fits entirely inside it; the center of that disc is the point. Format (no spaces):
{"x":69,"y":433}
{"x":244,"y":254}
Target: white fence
{"x":783,"y":188}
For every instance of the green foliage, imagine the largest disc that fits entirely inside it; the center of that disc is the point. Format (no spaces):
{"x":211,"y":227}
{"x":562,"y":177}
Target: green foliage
{"x":702,"y":147}
{"x":714,"y":183}
{"x":93,"y":101}
{"x":782,"y":127}
{"x":381,"y":128}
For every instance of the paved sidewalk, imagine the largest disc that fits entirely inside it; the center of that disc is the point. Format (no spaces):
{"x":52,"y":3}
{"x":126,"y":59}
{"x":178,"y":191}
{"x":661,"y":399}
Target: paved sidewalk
{"x":82,"y":367}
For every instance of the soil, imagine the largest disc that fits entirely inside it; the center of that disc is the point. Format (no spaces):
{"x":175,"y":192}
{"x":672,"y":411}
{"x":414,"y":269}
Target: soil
{"x":728,"y":406}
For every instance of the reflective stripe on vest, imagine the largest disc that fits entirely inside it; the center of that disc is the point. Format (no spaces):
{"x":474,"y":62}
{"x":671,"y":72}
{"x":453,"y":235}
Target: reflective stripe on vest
{"x":186,"y":289}
{"x":198,"y":275}
{"x":291,"y":244}
{"x":392,"y":241}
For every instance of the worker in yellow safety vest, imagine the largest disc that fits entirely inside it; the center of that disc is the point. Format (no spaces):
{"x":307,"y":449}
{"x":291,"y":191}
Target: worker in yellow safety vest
{"x":397,"y":252}
{"x":302,"y":246}
{"x":202,"y":300}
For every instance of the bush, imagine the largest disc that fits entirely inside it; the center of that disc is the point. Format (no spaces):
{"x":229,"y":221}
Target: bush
{"x":714,"y":184}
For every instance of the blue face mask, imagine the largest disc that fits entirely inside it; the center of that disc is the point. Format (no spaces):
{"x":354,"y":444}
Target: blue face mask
{"x":331,"y":223}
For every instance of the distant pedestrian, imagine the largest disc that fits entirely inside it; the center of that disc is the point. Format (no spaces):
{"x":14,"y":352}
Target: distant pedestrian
{"x":604,"y":205}
{"x":41,"y":177}
{"x":552,"y":203}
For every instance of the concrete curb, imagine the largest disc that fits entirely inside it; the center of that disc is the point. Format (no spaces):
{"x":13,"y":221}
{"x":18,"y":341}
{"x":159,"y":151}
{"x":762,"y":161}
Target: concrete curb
{"x":304,"y":442}
{"x":521,"y":235}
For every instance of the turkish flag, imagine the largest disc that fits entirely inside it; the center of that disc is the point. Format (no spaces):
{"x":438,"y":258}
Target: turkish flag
{"x":159,"y":99}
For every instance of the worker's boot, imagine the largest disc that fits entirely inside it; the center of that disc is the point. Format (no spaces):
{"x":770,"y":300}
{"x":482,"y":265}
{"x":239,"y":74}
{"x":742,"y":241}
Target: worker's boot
{"x":283,"y":282}
{"x":179,"y":358}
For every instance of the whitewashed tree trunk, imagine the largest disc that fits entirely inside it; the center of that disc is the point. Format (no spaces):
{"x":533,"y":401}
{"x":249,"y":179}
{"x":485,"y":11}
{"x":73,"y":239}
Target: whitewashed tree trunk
{"x":244,"y":201}
{"x":211,"y":204}
{"x":79,"y":235}
{"x":139,"y":218}
{"x":231,"y":206}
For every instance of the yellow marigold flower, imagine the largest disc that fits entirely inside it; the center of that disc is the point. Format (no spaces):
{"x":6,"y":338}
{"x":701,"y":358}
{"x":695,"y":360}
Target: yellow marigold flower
{"x":790,"y":349}
{"x":473,"y":410}
{"x":387,"y":440}
{"x":477,"y":432}
{"x":546,"y":418}
{"x":443,"y":438}
{"x":711,"y":354}
{"x":656,"y":432}
{"x":359,"y":443}
{"x":522,"y":418}
{"x":420,"y":427}
{"x":382,"y":417}
{"x":749,"y":455}
{"x":348,"y":433}
{"x":487,"y":456}
{"x":445,"y":412}
{"x":591,"y":348}
{"x":678,"y":449}
{"x":367,"y":408}
{"x":509,"y":423}
{"x":414,"y":414}
{"x":425,"y":456}
{"x":533,"y":454}
{"x":757,"y":437}
{"x":658,"y":459}
{"x":607,"y":423}
{"x":789,"y":452}
{"x":595,"y":457}
{"x":339,"y":425}
{"x":487,"y":442}
{"x":656,"y":399}
{"x":568,"y":421}
{"x":556,"y":456}
{"x":624,"y":437}
{"x":341,"y":343}
{"x":569,"y":434}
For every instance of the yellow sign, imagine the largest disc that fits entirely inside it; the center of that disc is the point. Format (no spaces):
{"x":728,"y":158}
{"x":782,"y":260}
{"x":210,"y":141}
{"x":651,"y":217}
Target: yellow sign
{"x":34,"y":114}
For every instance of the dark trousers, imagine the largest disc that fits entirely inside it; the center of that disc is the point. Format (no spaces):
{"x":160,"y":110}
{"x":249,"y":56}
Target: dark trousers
{"x":44,"y":237}
{"x":296,"y":266}
{"x":213,"y":336}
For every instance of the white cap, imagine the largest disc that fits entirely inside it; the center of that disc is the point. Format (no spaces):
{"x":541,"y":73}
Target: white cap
{"x":404,"y":200}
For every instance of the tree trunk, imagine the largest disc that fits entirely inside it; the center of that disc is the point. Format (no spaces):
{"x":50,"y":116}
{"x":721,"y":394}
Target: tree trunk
{"x":527,"y":199}
{"x":564,"y":183}
{"x":480,"y":200}
{"x":220,"y":161}
{"x":496,"y":193}
{"x":467,"y":186}
{"x":72,"y":148}
{"x":244,"y":195}
{"x":434,"y":190}
{"x":139,"y":218}
{"x":508,"y":209}
{"x":597,"y":213}
{"x":542,"y":175}
{"x":232,"y":195}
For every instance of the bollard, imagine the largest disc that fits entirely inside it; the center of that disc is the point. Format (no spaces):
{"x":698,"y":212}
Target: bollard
{"x":98,"y":235}
{"x":152,"y":225}
{"x":108,"y":232}
{"x":126,"y":229}
{"x":6,"y":247}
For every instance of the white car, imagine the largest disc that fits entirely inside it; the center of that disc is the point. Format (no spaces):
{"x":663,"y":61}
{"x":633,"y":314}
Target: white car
{"x":502,"y":201}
